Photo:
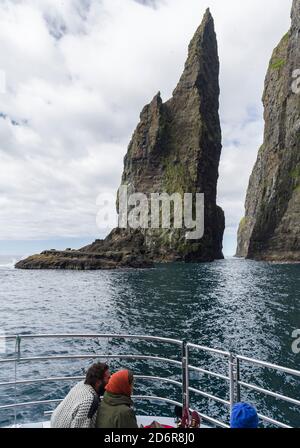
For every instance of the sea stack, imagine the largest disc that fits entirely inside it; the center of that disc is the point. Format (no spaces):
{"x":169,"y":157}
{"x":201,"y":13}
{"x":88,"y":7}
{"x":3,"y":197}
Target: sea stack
{"x":175,"y":148}
{"x":270,"y":230}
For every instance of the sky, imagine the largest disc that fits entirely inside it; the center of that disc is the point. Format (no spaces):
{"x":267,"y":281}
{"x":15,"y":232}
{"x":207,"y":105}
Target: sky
{"x":74,"y":77}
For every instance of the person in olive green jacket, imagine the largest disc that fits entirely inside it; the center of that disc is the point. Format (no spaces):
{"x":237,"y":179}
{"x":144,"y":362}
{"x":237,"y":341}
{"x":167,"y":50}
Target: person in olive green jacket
{"x":115,"y":410}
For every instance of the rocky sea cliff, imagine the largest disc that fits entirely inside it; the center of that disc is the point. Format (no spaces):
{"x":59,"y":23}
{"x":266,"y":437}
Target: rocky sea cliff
{"x":270,"y":229}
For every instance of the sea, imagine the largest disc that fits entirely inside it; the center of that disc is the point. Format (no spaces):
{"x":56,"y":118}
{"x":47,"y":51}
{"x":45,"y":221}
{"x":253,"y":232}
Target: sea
{"x":236,"y":305}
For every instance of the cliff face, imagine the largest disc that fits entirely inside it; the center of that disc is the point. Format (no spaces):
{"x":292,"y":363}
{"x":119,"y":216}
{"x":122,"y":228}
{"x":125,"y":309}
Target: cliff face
{"x":175,"y":148}
{"x":270,"y":229}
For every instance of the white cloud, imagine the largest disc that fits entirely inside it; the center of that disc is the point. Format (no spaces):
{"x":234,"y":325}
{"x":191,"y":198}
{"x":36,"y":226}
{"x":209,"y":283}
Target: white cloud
{"x":79,"y":72}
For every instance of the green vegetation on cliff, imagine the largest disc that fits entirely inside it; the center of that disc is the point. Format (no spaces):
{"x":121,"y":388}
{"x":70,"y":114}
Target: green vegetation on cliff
{"x":277,"y":64}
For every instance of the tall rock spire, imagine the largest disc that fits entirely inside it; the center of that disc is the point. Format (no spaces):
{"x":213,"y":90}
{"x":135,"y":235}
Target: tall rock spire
{"x":175,"y":148}
{"x":270,"y":229}
{"x":202,"y":61}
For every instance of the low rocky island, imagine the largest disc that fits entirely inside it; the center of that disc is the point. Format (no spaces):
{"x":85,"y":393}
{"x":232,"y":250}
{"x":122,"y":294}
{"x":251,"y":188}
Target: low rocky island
{"x":102,"y":254}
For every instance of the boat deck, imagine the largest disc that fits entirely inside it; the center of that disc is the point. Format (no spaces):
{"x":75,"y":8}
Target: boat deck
{"x":234,"y":374}
{"x":142,"y":421}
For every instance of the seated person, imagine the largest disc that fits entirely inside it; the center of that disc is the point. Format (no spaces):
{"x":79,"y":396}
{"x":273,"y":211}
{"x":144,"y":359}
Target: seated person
{"x":243,"y":415}
{"x":115,"y":410}
{"x":79,"y":408}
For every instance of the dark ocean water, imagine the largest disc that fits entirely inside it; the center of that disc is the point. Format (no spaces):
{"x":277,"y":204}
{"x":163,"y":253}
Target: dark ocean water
{"x":247,"y":307}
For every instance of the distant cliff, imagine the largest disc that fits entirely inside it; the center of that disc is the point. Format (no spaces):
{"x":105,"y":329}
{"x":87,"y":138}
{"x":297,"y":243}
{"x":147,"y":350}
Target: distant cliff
{"x":270,"y":229}
{"x":175,"y":148}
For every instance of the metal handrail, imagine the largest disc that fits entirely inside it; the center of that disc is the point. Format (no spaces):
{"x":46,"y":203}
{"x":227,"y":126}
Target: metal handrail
{"x":209,"y":372}
{"x":80,"y":378}
{"x":204,"y":417}
{"x":269,"y":365}
{"x":235,"y":383}
{"x":274,"y":422}
{"x":29,"y":403}
{"x":154,"y":398}
{"x":270,"y":393}
{"x":134,"y":397}
{"x":43,"y":380}
{"x":208,"y":349}
{"x":63,"y":357}
{"x":18,"y":359}
{"x":158,"y":378}
{"x":213,"y":421}
{"x":142,"y":397}
{"x":96,"y":335}
{"x":209,"y":396}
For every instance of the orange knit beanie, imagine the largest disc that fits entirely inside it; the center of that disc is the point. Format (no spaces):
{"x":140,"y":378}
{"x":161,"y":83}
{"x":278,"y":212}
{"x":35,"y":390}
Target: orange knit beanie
{"x":119,"y":383}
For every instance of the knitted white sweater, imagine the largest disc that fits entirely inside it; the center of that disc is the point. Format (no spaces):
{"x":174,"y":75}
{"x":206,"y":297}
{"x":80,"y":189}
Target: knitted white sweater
{"x":78,"y":409}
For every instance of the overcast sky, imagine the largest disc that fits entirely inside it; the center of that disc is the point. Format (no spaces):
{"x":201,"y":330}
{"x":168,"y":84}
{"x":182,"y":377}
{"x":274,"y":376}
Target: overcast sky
{"x":74,"y":76}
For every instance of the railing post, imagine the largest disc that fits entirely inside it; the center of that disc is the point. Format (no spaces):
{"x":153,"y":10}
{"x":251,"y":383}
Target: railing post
{"x":17,"y":358}
{"x":185,"y":376}
{"x":238,"y":377}
{"x":231,"y":381}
